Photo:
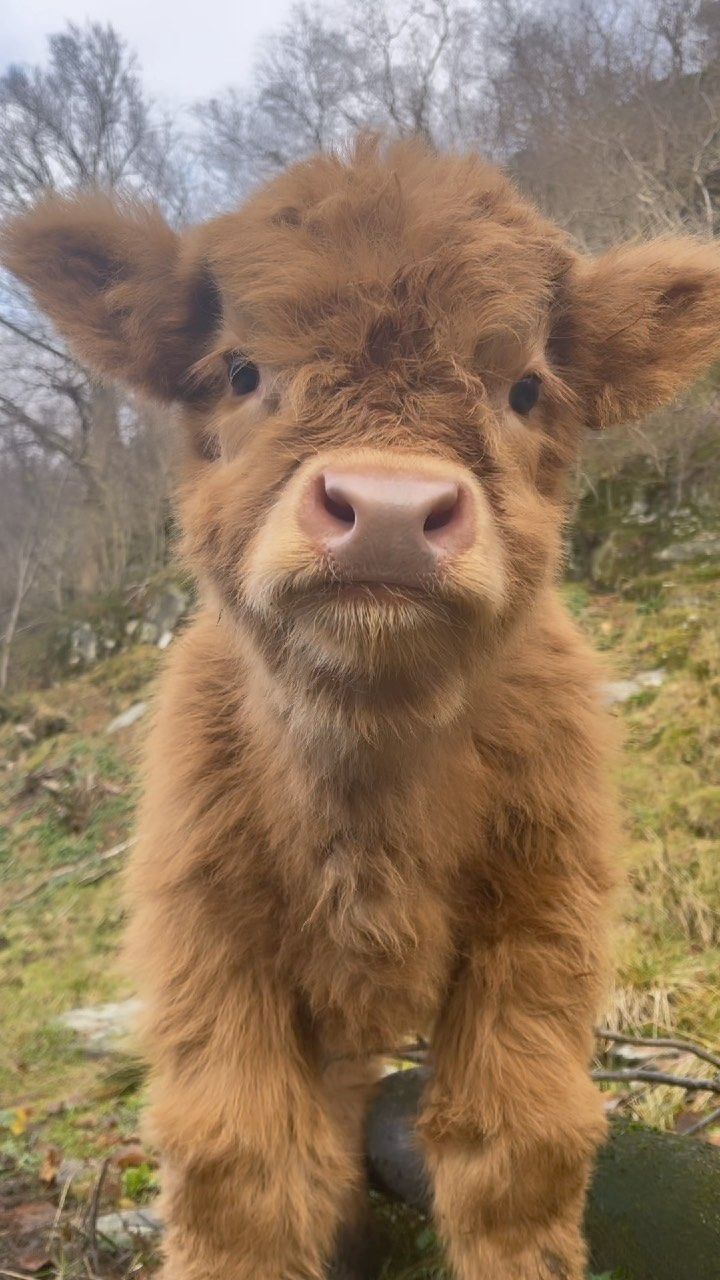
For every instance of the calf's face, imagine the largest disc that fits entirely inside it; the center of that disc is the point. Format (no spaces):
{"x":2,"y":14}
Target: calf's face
{"x":385,"y":367}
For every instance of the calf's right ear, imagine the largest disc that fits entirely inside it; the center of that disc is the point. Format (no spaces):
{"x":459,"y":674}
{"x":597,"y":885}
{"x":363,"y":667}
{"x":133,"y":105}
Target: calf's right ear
{"x":132,"y":298}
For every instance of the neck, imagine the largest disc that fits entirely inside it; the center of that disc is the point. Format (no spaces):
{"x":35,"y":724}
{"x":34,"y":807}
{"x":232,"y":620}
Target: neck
{"x":342,"y":752}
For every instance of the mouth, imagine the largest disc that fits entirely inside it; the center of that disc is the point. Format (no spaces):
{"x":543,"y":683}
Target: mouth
{"x":325,"y":600}
{"x":348,"y":599}
{"x":383,"y":593}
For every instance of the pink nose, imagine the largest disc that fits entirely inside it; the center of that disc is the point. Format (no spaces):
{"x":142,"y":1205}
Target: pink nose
{"x":392,"y":527}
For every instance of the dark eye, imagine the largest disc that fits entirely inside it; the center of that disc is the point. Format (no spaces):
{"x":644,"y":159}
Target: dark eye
{"x":244,"y":376}
{"x":524,"y":394}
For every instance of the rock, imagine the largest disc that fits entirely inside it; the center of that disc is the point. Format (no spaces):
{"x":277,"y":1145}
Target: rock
{"x":83,"y":645}
{"x":654,"y":1204}
{"x":615,"y":691}
{"x":148,"y":632}
{"x":126,"y":718}
{"x":102,"y":1027}
{"x":129,"y":1227}
{"x":358,"y":1256}
{"x":395,"y":1157}
{"x":165,"y":611}
{"x":704,"y":546}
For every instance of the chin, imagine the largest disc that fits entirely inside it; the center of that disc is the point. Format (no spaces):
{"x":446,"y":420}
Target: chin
{"x":374,"y":646}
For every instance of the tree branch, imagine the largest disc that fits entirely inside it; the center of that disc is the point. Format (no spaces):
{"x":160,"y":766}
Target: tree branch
{"x":682,"y":1046}
{"x":36,"y":342}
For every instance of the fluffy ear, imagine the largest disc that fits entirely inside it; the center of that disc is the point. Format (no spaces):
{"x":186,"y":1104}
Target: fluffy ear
{"x":637,"y":325}
{"x":124,"y":289}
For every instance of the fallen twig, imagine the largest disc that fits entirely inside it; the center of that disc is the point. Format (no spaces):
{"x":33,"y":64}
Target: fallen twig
{"x":417,"y":1053}
{"x":682,"y":1046}
{"x":71,"y":871}
{"x":58,"y":1214}
{"x":91,"y":1217}
{"x":690,"y":1083}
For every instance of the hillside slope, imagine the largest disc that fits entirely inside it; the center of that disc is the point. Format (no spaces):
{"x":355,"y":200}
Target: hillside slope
{"x":68,"y":790}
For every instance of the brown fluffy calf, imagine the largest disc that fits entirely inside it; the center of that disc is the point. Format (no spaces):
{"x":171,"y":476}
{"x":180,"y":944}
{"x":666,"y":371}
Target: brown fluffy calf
{"x":375,"y":798}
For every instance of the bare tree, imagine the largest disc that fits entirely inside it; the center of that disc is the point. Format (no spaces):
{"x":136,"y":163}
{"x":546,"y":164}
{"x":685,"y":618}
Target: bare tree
{"x":610,"y":113}
{"x":82,"y":120}
{"x":404,"y":66}
{"x":32,"y":537}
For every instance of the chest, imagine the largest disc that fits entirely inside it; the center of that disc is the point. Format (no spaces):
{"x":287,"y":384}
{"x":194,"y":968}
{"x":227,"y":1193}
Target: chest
{"x":370,"y":940}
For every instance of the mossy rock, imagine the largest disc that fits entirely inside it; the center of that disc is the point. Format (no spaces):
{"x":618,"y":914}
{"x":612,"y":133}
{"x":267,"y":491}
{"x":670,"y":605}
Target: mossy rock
{"x":654,"y":1207}
{"x":654,"y":1204}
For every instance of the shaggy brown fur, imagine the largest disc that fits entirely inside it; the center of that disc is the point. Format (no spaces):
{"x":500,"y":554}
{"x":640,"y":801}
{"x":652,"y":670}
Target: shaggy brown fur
{"x":369,"y":814}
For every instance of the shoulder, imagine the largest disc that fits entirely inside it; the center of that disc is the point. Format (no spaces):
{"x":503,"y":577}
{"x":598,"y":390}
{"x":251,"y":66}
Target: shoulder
{"x":545,"y":702}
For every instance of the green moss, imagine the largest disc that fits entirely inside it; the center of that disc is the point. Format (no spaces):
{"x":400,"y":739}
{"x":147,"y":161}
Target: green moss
{"x":575,"y":595}
{"x":140,"y":1184}
{"x":127,"y":672}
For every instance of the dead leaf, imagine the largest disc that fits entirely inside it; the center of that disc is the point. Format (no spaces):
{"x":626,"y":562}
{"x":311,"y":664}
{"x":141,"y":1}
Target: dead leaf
{"x":35,"y":1261}
{"x":131,"y":1157}
{"x":50,"y":1165}
{"x":30,"y":1216}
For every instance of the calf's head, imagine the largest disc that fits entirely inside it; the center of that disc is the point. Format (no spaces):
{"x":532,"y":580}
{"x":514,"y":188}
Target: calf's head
{"x":385,"y":366}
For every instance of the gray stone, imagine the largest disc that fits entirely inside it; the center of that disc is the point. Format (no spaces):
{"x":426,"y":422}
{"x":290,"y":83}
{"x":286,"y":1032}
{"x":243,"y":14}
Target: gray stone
{"x":705,"y":546}
{"x":102,"y":1027}
{"x":126,"y":718}
{"x":395,"y":1156}
{"x":148,"y":632}
{"x":128,"y":1227}
{"x":83,"y":645}
{"x":618,"y":691}
{"x":166,"y":610}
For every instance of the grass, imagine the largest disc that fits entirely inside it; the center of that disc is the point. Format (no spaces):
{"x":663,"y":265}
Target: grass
{"x":668,"y":941}
{"x":69,"y":794}
{"x":66,"y":798}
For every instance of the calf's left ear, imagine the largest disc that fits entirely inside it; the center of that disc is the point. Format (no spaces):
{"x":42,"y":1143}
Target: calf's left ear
{"x":128,"y":293}
{"x":635,"y":326}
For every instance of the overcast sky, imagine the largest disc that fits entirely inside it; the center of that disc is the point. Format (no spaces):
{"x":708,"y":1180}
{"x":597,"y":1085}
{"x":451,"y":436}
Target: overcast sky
{"x":187,"y":48}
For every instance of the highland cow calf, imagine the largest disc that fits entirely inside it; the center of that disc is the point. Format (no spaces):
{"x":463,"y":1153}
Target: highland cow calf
{"x":375,"y":800}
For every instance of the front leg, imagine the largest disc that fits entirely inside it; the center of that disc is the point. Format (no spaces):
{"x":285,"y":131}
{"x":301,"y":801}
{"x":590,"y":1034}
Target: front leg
{"x":261,"y":1149}
{"x":259,"y":1169}
{"x":511,"y":1119}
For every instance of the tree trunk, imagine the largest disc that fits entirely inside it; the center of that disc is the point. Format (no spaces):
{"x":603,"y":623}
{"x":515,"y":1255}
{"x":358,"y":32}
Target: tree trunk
{"x":23,"y":582}
{"x":102,"y":448}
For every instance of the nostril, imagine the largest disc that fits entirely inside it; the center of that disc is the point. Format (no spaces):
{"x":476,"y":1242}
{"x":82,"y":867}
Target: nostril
{"x":443,"y":513}
{"x":336,"y":504}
